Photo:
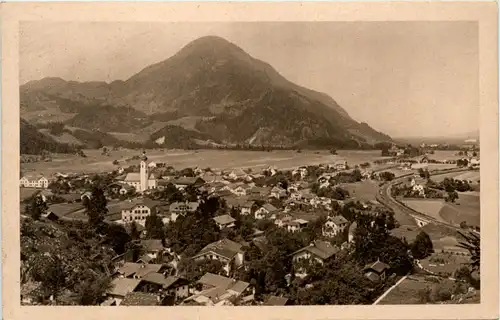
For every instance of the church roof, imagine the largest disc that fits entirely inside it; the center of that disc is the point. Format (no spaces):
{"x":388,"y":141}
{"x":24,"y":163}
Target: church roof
{"x":133,"y":176}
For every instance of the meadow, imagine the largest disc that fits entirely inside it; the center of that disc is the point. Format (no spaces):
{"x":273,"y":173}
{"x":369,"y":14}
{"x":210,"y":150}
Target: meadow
{"x":179,"y":159}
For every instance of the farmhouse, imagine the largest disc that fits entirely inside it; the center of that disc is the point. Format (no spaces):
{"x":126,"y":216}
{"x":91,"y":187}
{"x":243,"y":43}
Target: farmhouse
{"x":265,"y":211}
{"x":418,"y":186}
{"x":296,"y":225}
{"x":340,"y":165}
{"x":155,"y":282}
{"x":34,"y":181}
{"x":184,"y":182}
{"x":138,"y":210}
{"x":226,"y":251}
{"x":182,"y":208}
{"x":224,"y":221}
{"x":318,"y":251}
{"x":217,"y":290}
{"x":334,"y":225}
{"x":120,"y":287}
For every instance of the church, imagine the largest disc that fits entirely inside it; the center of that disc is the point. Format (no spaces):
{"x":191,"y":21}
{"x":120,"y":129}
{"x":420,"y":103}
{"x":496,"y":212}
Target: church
{"x":141,"y":180}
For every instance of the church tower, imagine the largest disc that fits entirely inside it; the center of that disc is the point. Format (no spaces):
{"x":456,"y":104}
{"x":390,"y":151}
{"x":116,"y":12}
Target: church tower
{"x":144,"y":173}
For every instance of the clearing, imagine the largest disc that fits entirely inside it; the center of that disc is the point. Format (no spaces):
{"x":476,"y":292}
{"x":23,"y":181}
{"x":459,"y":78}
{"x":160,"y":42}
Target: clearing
{"x":430,"y":207}
{"x":362,"y":191}
{"x":467,"y":208}
{"x":444,"y":263}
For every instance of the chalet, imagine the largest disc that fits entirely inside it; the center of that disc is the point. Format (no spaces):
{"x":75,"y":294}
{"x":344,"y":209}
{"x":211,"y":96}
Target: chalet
{"x":152,"y":247}
{"x":210,"y":177}
{"x":126,"y":189}
{"x":278,"y":193}
{"x":152,"y":164}
{"x":376,"y":271}
{"x":318,"y":251}
{"x":182,"y":208}
{"x":300,"y":171}
{"x":158,"y":283}
{"x":259,"y":192}
{"x":340,"y":165}
{"x":226,"y":251}
{"x":418,"y":186}
{"x":184,"y":182}
{"x":138,"y":210}
{"x":334,"y":225}
{"x":296,"y":225}
{"x":265,"y":210}
{"x":282,"y":220}
{"x":237,"y":174}
{"x":34,"y":181}
{"x":240,"y":190}
{"x":224,"y":221}
{"x":218,"y":290}
{"x":120,"y":287}
{"x":139,"y":270}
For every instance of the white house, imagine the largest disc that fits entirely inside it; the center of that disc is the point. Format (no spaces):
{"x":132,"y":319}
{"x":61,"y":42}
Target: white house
{"x":418,"y":187}
{"x":224,"y":221}
{"x":296,"y":225}
{"x":265,"y":211}
{"x":226,"y":251}
{"x":29,"y":181}
{"x":340,"y":165}
{"x":334,"y":225}
{"x":138,"y":210}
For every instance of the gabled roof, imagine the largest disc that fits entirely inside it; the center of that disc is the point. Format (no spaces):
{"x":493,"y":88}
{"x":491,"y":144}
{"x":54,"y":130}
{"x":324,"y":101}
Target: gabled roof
{"x":187,"y":180}
{"x":377,"y":266}
{"x":215,"y":280}
{"x":151,"y":204}
{"x":276,"y":301}
{"x":192,"y":206}
{"x":224,"y":219}
{"x":133,"y":177}
{"x":152,"y":245}
{"x":269,"y":207}
{"x":122,"y":286}
{"x":140,"y":299}
{"x":165,"y":282}
{"x":225,"y":248}
{"x":138,"y":269}
{"x":338,"y":220}
{"x":321,"y":249}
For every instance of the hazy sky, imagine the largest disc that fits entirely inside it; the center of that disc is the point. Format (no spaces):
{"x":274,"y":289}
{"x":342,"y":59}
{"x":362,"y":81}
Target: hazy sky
{"x":403,"y":78}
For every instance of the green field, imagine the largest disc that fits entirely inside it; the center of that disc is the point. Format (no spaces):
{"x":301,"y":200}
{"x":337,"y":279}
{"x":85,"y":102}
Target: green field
{"x":444,"y":263}
{"x":216,"y":159}
{"x":362,"y":191}
{"x":467,"y":208}
{"x":430,"y":207}
{"x":27,"y":192}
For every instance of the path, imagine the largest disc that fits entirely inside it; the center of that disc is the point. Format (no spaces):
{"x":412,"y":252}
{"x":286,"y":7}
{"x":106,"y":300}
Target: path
{"x":389,"y":290}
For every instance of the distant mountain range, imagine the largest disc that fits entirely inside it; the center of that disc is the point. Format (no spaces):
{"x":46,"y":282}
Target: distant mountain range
{"x":210,"y":92}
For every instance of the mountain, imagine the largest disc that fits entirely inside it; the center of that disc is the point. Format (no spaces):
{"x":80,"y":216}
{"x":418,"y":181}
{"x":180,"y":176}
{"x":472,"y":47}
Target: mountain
{"x":35,"y":142}
{"x":227,"y":95}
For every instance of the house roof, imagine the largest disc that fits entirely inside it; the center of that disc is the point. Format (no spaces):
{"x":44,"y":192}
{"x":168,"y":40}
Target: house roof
{"x":377,"y":266}
{"x":224,"y":247}
{"x":140,"y":299}
{"x":338,"y":220}
{"x":372,"y":276}
{"x":138,"y":269}
{"x":276,"y":301}
{"x":137,"y":202}
{"x":239,"y":286}
{"x":321,"y":249}
{"x":133,"y":177}
{"x":216,"y":280}
{"x":187,"y":180}
{"x":122,"y":286}
{"x":224,"y":219}
{"x":269,"y":207}
{"x":192,"y":206}
{"x":158,"y":278}
{"x":31,"y":177}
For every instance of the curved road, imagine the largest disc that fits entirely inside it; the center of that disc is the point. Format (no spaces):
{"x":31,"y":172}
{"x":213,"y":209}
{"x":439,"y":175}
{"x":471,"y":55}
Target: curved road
{"x":384,"y":197}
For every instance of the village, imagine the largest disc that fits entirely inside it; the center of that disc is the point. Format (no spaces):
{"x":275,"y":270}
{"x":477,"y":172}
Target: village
{"x":237,"y":220}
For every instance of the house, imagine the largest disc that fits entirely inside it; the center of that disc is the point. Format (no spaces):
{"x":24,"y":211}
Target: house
{"x":278,"y":193}
{"x":376,"y":271}
{"x":152,"y":247}
{"x":340,"y":165}
{"x":182,"y":208}
{"x":86,"y":194}
{"x":138,"y":210}
{"x":296,"y":225}
{"x":152,"y":164}
{"x":218,"y":290}
{"x":138,"y":270}
{"x":210,"y":177}
{"x":34,"y":181}
{"x":126,"y":189}
{"x":120,"y":287}
{"x":282,"y":220}
{"x":259,"y":192}
{"x":318,"y":251}
{"x":418,"y":186}
{"x":334,"y":225}
{"x":265,"y":211}
{"x":158,"y":283}
{"x":277,"y":301}
{"x":237,"y":174}
{"x":226,"y":251}
{"x":300,"y":171}
{"x":184,"y":182}
{"x":224,"y":221}
{"x":141,"y":299}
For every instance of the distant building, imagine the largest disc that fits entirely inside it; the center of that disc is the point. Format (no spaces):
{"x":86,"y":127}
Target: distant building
{"x":265,"y":211}
{"x":228,"y":252}
{"x":138,"y":210}
{"x":334,"y":225}
{"x":181,"y":209}
{"x":218,"y":290}
{"x":141,"y":180}
{"x":224,"y":221}
{"x":34,"y":181}
{"x":376,"y":271}
{"x":184,"y":182}
{"x":318,"y":251}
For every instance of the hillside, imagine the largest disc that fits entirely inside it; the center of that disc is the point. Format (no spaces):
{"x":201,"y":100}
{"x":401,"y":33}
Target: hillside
{"x":32,"y":141}
{"x":233,"y":97}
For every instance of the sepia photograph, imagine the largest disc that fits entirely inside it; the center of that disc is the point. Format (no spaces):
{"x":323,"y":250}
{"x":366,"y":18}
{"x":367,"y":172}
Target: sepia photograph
{"x":251,"y":163}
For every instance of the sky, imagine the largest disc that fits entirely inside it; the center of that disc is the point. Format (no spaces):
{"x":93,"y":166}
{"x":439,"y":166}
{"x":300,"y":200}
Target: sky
{"x":405,"y":79}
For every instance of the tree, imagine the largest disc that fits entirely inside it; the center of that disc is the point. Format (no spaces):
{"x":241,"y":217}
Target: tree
{"x":422,"y":246}
{"x":91,"y":289}
{"x":472,"y":242}
{"x":452,"y":196}
{"x":36,"y":208}
{"x":134,"y":233}
{"x":97,"y":206}
{"x":154,"y":227}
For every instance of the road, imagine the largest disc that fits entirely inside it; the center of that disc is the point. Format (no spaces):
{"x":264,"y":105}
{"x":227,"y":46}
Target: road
{"x":384,"y":197}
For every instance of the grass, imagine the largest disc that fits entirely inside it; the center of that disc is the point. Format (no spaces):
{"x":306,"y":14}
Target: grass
{"x":362,"y":191}
{"x":430,"y":207}
{"x":444,"y":263}
{"x":27,"y":192}
{"x":216,"y":159}
{"x":467,"y":208}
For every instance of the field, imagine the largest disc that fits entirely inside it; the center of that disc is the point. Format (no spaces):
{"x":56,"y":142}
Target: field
{"x":362,"y":191}
{"x":216,"y":159}
{"x":427,"y":206}
{"x":472,"y":176}
{"x":467,"y":208}
{"x":27,"y":192}
{"x":444,"y":263}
